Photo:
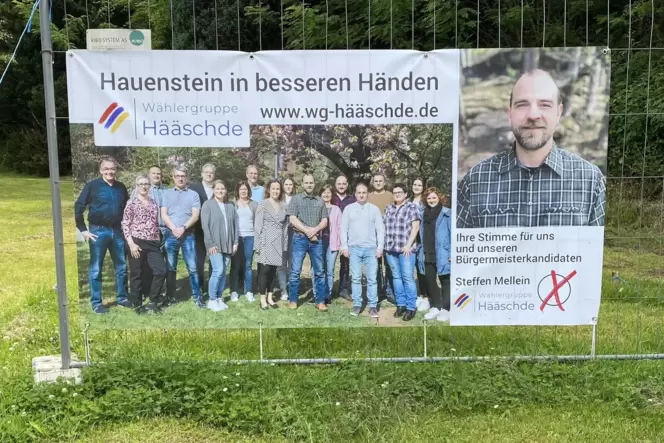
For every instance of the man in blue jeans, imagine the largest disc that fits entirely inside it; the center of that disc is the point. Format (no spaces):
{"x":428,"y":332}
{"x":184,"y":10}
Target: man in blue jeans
{"x":105,"y":198}
{"x":308,"y":215}
{"x":181,"y":208}
{"x":362,"y":238}
{"x":402,"y":226}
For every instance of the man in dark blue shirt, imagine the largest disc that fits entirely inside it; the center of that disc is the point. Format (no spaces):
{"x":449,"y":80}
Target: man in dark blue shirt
{"x":105,"y":198}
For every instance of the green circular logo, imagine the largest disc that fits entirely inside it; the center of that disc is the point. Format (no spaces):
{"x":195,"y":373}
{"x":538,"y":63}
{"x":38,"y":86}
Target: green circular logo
{"x":136,"y":38}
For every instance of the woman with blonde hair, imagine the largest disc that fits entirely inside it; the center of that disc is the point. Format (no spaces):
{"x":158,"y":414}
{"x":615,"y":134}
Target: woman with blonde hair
{"x":220,"y":229}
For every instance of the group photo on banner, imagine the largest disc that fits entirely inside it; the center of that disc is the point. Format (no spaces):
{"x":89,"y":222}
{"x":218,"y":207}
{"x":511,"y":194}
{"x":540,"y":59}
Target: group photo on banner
{"x":339,"y":188}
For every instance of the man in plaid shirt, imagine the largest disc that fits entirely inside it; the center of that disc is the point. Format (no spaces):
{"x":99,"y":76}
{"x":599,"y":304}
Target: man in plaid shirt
{"x":402,"y":226}
{"x":535,"y":183}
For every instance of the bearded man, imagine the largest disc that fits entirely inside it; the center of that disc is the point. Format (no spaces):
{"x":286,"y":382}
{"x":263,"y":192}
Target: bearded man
{"x":535,"y":183}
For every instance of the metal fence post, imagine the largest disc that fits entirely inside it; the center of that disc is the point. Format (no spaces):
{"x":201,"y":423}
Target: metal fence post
{"x":54,"y":172}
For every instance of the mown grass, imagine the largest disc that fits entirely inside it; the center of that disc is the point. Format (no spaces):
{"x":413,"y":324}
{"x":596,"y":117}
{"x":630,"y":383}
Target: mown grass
{"x":165,"y":385}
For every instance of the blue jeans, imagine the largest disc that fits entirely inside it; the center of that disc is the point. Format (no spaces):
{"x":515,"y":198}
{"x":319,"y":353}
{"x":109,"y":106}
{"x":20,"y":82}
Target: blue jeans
{"x":301,"y":246}
{"x":188,"y":244}
{"x":218,"y":276}
{"x":329,"y":260}
{"x":403,"y":278}
{"x":241,"y":265}
{"x":112,"y":240}
{"x":366,"y":257}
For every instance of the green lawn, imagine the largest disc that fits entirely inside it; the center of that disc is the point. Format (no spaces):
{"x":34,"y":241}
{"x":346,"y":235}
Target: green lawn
{"x":151,"y":384}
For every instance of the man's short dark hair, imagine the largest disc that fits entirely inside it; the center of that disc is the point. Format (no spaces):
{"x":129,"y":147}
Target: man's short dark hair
{"x":401,"y":186}
{"x":533,"y":72}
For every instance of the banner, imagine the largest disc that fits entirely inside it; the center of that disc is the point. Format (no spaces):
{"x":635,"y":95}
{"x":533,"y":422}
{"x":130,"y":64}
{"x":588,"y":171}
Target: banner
{"x":210,"y":99}
{"x":531,"y":199}
{"x":186,"y":165}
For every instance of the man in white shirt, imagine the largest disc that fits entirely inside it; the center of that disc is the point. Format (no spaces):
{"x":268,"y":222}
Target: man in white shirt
{"x":362,"y":240}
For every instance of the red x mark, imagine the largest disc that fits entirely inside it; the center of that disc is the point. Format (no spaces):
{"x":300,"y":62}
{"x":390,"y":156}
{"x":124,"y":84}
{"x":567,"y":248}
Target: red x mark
{"x":556,"y":287}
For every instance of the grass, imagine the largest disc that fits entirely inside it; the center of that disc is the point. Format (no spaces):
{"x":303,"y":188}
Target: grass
{"x":166,"y":385}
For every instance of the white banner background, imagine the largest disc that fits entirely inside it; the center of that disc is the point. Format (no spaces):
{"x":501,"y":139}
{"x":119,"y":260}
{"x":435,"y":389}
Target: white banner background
{"x":223,"y":117}
{"x":496,"y":282}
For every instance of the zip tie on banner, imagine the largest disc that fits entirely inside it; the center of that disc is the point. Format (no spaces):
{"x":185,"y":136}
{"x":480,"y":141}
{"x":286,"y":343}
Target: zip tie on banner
{"x":27,"y":29}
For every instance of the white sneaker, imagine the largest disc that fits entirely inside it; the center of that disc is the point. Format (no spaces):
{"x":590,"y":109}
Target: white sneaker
{"x":234,"y":296}
{"x":216,"y":305}
{"x":443,"y":316}
{"x":284,"y":297}
{"x":250,"y":297}
{"x":432,"y":314}
{"x":424,"y":305}
{"x":417,"y":303}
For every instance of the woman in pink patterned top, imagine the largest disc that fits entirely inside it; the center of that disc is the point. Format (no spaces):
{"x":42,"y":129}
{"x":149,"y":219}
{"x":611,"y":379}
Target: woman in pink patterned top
{"x":140,"y":225}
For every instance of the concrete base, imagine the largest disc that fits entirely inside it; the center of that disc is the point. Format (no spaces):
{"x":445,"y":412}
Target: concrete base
{"x":49,"y":369}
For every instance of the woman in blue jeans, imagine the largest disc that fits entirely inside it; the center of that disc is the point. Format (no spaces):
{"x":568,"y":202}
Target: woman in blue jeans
{"x":331,"y":242}
{"x":241,"y":263}
{"x":220,"y":229}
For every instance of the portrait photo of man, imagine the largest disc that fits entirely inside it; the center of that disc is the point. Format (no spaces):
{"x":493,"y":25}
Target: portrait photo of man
{"x":536,"y":182}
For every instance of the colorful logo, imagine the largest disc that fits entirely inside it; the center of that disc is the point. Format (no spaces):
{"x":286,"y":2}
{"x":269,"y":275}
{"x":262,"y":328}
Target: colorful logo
{"x":462,"y":301}
{"x":114,"y":115}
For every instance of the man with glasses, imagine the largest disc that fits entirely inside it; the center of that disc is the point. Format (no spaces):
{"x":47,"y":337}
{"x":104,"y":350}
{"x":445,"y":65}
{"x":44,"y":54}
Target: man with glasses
{"x":180,"y":210}
{"x":402,"y":226}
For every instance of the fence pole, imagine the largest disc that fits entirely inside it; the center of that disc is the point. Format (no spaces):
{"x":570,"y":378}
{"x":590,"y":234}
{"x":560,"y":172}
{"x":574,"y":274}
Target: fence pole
{"x":54,"y":172}
{"x":593,"y":344}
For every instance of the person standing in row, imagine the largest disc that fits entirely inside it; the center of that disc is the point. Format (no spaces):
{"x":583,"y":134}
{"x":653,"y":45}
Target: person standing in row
{"x":140,"y":225}
{"x":180,"y":211}
{"x":219,"y":220}
{"x":288,"y":186}
{"x":105,"y":198}
{"x":342,"y":198}
{"x":256,"y":194}
{"x":402,"y":224}
{"x":434,"y":255}
{"x":331,"y":237}
{"x":382,"y":198}
{"x":243,"y":259}
{"x":418,"y":198}
{"x":270,"y":237}
{"x":204,"y":191}
{"x":257,"y":191}
{"x":362,"y":242}
{"x":308,"y":216}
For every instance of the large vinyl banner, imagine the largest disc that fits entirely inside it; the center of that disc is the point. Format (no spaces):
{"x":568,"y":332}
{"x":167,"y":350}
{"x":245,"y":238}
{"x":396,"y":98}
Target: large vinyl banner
{"x":530,"y":198}
{"x":339,"y":188}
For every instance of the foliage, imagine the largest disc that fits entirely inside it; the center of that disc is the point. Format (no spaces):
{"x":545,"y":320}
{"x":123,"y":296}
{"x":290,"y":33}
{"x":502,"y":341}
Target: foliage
{"x":636,"y":141}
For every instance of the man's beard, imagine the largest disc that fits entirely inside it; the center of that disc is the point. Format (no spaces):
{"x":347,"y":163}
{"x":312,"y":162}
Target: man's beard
{"x":531,"y":141}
